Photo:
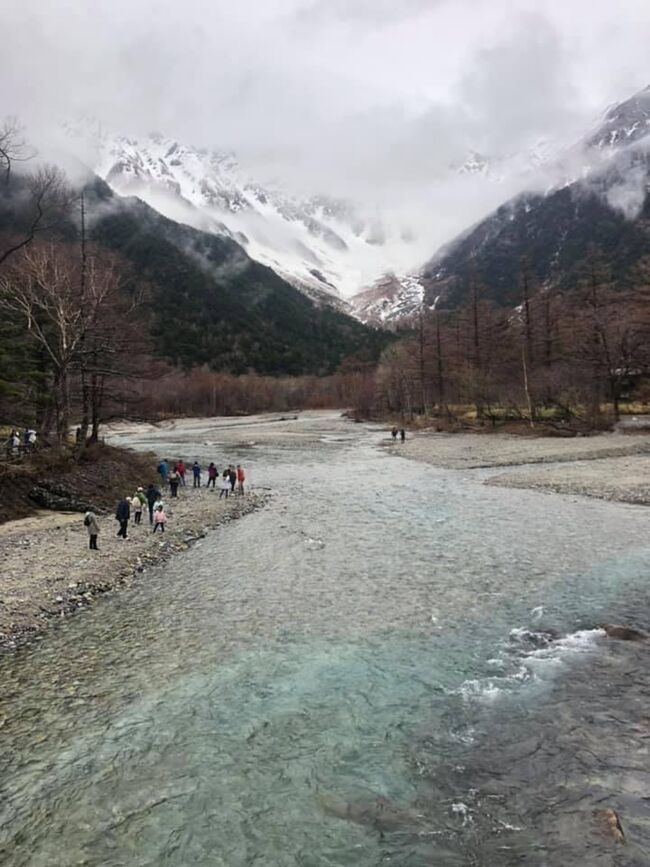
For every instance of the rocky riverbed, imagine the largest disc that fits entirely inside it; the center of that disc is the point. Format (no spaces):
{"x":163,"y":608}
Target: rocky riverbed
{"x":48,"y":571}
{"x":609,"y":466}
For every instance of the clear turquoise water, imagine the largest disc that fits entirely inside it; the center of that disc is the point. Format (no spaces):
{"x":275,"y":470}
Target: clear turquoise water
{"x":343,"y":679}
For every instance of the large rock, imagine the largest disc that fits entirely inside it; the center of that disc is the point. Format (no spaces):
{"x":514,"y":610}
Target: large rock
{"x":623,"y":633}
{"x":59,"y":498}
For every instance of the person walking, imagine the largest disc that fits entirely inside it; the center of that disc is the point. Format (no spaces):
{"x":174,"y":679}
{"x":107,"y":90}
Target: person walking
{"x":241,"y":478}
{"x":92,"y":525}
{"x":152,"y":495}
{"x":393,"y":433}
{"x":196,"y":473}
{"x":15,"y":443}
{"x":122,"y":514}
{"x":224,"y":485}
{"x":181,"y":469}
{"x":136,"y":507}
{"x":213,"y":472}
{"x":159,"y":519}
{"x":163,"y":470}
{"x":402,"y":434}
{"x":232,"y":474}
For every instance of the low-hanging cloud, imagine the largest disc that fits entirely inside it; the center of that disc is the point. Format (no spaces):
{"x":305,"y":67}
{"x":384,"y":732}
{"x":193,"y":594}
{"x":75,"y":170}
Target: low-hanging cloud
{"x":376,"y":100}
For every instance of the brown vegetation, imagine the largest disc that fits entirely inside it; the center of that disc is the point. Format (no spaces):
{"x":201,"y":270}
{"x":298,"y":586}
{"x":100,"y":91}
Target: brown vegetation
{"x":562,"y":361}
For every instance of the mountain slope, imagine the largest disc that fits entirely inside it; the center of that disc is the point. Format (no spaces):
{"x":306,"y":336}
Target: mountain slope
{"x":211,"y":304}
{"x":554,"y":233}
{"x":389,"y":300}
{"x":325,"y":246}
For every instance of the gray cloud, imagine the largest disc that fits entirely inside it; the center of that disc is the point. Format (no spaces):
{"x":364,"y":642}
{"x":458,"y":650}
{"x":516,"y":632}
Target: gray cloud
{"x":362,"y":11}
{"x":370,"y":98}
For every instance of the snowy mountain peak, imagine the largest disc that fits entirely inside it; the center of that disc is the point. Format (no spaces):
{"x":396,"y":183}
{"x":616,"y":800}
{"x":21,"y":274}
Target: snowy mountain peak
{"x":326,"y":246}
{"x":625,"y":123}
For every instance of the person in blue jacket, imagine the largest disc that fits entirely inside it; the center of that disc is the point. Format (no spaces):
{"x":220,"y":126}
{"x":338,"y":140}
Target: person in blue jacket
{"x":163,"y":470}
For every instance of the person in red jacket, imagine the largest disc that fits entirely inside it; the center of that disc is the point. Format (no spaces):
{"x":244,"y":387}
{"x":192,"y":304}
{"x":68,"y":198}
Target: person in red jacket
{"x":213,"y":472}
{"x":241,"y":478}
{"x":181,"y":470}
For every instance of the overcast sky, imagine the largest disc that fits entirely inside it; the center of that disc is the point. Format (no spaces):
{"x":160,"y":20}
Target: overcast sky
{"x":374,"y":97}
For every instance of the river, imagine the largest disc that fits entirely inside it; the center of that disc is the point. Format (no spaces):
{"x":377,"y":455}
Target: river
{"x":388,"y":664}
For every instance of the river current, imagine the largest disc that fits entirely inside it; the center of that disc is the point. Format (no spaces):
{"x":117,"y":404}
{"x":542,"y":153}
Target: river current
{"x":389,"y":664}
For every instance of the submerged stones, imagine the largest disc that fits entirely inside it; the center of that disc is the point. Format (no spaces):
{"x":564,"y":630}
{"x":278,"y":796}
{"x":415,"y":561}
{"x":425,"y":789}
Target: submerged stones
{"x":380,"y":813}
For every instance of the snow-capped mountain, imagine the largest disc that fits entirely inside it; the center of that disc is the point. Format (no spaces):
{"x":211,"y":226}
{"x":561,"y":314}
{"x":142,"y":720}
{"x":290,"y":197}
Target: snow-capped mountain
{"x":327,"y":247}
{"x":601,"y":199}
{"x":330,"y":248}
{"x":594,"y":187}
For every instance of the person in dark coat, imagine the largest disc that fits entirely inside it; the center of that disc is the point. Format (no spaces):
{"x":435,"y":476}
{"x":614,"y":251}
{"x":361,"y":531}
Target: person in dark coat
{"x":153,"y":495}
{"x":122,"y":514}
{"x":232,"y":474}
{"x":213,"y":472}
{"x":402,"y":434}
{"x":196,"y":472}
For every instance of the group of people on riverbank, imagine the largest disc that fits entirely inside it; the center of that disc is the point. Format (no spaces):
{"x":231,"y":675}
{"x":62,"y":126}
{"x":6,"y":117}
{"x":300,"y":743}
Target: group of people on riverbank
{"x":395,"y":432}
{"x":18,"y":444}
{"x":151,"y":499}
{"x":233,"y":477}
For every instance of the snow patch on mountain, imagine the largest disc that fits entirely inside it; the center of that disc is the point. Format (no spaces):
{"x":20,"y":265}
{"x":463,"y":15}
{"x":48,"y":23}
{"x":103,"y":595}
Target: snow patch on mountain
{"x":390,"y":299}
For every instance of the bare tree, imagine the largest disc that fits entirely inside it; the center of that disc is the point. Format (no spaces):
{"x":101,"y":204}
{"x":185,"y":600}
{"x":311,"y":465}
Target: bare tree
{"x":81,"y":326}
{"x":39,"y":206}
{"x":13,"y":147}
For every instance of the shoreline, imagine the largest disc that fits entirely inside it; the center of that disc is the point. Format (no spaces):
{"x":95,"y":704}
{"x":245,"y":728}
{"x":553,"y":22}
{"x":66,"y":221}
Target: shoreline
{"x":49,"y":573}
{"x":613,"y":467}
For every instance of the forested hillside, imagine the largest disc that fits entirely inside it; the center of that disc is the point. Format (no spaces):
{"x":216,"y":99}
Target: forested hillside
{"x":548,"y":239}
{"x":211,"y":304}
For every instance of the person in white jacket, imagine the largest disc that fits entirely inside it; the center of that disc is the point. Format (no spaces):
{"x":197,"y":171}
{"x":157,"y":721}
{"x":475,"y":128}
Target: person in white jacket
{"x":92,"y":525}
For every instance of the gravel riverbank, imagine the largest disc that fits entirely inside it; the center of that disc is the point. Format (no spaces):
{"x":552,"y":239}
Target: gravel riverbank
{"x":609,"y":466}
{"x":48,"y":571}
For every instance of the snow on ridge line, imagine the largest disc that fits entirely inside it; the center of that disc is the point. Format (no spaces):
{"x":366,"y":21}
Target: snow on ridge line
{"x":325,"y":246}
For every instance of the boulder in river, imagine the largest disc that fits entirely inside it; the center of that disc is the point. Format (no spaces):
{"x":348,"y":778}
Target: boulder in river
{"x":623,"y":633}
{"x":610,"y":824}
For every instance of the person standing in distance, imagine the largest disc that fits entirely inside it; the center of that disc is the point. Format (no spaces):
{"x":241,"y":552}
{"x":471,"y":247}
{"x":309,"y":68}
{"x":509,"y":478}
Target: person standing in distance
{"x":92,"y":525}
{"x":163,"y":470}
{"x":122,"y":514}
{"x":174,"y":482}
{"x":153,"y":495}
{"x":241,"y":478}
